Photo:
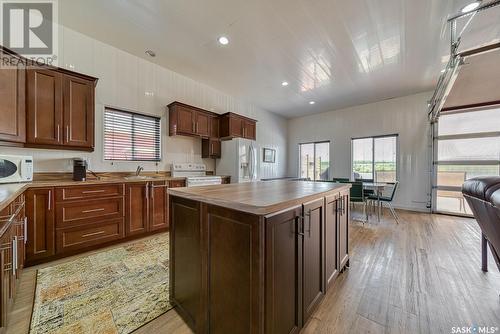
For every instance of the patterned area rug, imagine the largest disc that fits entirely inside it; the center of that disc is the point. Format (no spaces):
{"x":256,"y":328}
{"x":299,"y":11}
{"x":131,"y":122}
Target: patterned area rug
{"x":115,"y":291}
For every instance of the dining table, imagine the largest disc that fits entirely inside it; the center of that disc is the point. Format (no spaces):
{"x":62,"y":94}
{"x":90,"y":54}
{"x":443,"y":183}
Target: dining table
{"x":378,"y":188}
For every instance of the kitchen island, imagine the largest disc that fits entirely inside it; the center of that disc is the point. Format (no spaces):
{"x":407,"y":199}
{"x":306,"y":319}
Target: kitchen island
{"x":255,"y":257}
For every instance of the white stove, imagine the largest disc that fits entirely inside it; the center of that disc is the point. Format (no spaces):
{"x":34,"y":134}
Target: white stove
{"x":195,"y":174}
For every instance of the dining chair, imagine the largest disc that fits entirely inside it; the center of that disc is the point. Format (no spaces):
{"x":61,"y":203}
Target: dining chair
{"x":387,"y":197}
{"x":367,"y":192}
{"x":358,"y":196}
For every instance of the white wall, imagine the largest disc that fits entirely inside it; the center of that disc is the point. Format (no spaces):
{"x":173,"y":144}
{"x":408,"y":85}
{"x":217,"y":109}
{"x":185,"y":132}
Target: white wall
{"x":406,"y":116}
{"x":123,"y":82}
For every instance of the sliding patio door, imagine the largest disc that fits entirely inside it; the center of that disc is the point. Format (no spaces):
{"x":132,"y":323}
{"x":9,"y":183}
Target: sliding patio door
{"x":467,"y":145}
{"x":315,"y":161}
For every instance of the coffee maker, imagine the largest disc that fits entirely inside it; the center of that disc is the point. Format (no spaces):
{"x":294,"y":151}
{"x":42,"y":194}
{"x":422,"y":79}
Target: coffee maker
{"x":79,"y":169}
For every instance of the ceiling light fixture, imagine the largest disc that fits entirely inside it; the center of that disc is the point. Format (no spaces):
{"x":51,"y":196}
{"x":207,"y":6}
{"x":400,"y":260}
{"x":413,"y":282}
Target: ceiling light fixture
{"x":223,"y":40}
{"x":311,"y":102}
{"x":443,"y":70}
{"x":470,"y":7}
{"x":284,"y":83}
{"x":151,"y":53}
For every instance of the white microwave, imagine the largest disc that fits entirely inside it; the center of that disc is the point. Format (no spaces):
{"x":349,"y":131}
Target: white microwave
{"x":15,"y":168}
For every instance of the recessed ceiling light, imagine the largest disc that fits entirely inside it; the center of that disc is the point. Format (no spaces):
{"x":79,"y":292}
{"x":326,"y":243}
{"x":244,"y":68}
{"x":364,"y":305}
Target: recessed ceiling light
{"x":443,"y":70}
{"x":471,"y":6}
{"x":312,"y":102}
{"x":223,"y":40}
{"x":151,"y":53}
{"x":284,"y":83}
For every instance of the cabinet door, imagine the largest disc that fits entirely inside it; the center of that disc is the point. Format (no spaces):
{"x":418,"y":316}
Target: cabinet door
{"x":5,"y":275}
{"x":214,"y":127}
{"x":331,"y":239}
{"x":283,"y":297}
{"x":44,"y":107}
{"x":210,"y":148}
{"x":185,"y":120}
{"x":313,"y":257}
{"x":136,"y":208}
{"x":250,"y":129}
{"x":40,"y":242}
{"x":12,"y":107}
{"x":158,"y":206}
{"x":78,"y":112}
{"x":236,"y":126}
{"x":203,"y":124}
{"x":343,"y":217}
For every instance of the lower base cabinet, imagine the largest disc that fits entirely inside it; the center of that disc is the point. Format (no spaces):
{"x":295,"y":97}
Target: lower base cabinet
{"x":40,"y":243}
{"x":303,"y":250}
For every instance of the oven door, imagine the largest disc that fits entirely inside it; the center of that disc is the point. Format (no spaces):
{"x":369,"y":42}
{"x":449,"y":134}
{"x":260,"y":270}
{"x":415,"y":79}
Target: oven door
{"x":10,"y":169}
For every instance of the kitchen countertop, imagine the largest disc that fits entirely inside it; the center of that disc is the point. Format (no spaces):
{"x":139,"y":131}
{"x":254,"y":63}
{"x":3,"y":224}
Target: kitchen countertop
{"x":260,"y":198}
{"x":9,"y":191}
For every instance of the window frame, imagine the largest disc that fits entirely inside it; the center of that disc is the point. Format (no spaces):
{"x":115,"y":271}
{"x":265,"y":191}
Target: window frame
{"x":133,"y":112}
{"x":314,"y":168}
{"x":395,"y":135}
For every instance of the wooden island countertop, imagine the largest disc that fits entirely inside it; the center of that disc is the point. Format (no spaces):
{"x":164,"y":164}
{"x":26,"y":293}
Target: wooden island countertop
{"x":260,"y":198}
{"x":258,"y":257}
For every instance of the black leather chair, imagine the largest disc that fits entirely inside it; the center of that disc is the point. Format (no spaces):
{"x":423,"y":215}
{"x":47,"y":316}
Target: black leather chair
{"x":483,"y":196}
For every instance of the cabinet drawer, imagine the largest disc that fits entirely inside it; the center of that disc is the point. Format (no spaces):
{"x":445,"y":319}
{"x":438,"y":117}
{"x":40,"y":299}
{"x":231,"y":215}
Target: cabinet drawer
{"x":75,"y":213}
{"x":176,"y":183}
{"x":83,"y":192}
{"x":74,"y":238}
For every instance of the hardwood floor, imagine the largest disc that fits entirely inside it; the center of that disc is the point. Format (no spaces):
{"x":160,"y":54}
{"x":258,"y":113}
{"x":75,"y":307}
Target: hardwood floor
{"x":421,"y":276}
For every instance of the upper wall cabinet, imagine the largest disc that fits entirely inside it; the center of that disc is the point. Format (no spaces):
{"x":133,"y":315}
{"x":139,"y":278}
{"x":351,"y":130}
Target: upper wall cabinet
{"x":12,"y":97}
{"x":189,"y":121}
{"x":60,"y":109}
{"x":237,"y":126}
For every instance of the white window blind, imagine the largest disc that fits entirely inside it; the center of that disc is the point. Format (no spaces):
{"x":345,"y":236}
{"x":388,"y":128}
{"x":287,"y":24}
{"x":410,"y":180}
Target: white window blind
{"x":130,"y":136}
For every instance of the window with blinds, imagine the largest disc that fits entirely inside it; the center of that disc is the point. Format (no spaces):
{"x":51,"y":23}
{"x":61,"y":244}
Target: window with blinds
{"x":130,"y":136}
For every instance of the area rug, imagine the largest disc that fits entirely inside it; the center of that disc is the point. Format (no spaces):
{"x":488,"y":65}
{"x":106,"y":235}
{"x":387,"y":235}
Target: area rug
{"x":115,"y":291}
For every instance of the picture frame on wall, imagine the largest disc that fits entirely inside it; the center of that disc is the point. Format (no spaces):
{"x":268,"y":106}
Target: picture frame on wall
{"x":269,"y":155}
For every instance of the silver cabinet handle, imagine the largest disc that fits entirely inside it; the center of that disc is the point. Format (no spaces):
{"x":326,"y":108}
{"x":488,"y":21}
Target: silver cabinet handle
{"x":25,"y":230}
{"x":93,"y":191}
{"x":58,"y":133}
{"x":152,"y":191}
{"x":93,"y":210}
{"x":14,"y":255}
{"x":50,"y":200}
{"x":93,"y":234}
{"x":67,"y":133}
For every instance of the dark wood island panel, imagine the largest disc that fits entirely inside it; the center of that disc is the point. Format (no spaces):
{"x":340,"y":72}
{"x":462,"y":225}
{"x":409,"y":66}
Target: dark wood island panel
{"x":237,"y":271}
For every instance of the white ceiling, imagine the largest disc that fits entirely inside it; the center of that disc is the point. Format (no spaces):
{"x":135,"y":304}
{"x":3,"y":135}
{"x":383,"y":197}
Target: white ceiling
{"x":337,"y":53}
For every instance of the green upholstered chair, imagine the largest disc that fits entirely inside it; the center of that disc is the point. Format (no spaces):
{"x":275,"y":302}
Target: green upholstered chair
{"x":358,"y":196}
{"x":387,"y":197}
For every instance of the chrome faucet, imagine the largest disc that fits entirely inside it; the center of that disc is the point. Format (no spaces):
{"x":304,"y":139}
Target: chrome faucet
{"x":139,"y":170}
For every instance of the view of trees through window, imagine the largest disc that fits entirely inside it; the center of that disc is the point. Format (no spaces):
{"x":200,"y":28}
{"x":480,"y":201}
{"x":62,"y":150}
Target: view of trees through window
{"x":315,"y":161}
{"x":375,"y":158}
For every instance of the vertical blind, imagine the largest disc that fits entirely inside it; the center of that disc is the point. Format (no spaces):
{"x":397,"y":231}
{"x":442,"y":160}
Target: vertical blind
{"x":130,"y":136}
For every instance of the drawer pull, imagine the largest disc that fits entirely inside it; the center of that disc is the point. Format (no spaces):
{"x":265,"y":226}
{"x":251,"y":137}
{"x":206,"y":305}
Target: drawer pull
{"x":92,"y":234}
{"x":93,"y":210}
{"x":93,"y":191}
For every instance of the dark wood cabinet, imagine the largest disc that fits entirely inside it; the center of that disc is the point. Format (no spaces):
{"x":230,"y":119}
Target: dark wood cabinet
{"x":78,"y":96}
{"x":158,"y":206}
{"x":214,"y":126}
{"x":44,"y":107}
{"x":137,"y":210}
{"x":60,"y":110}
{"x":332,"y":267}
{"x":313,"y":256}
{"x":284,"y":253}
{"x":12,"y":97}
{"x":189,"y":121}
{"x":211,"y":148}
{"x":41,"y":224}
{"x":5,"y":274}
{"x":237,"y":126}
